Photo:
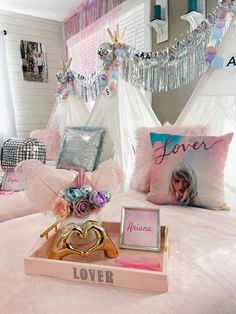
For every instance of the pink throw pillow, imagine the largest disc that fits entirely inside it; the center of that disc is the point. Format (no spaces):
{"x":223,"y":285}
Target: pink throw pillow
{"x":189,"y":170}
{"x":143,"y":157}
{"x":51,"y":140}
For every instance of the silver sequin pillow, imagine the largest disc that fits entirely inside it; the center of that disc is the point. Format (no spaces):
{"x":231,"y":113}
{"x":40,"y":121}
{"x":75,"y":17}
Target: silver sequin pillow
{"x":80,"y":147}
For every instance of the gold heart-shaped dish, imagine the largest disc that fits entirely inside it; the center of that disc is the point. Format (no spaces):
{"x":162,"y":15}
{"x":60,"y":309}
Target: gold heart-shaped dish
{"x":64,"y":245}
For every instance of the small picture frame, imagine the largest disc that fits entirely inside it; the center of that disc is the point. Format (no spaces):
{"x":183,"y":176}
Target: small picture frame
{"x":11,"y":182}
{"x":140,"y":228}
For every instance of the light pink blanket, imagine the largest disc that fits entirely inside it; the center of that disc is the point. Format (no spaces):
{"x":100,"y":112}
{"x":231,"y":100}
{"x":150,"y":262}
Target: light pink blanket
{"x":15,"y":205}
{"x":202,"y":268}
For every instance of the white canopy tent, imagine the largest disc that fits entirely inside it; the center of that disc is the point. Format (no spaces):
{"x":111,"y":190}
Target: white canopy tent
{"x":121,"y":114}
{"x":70,"y":111}
{"x":213,"y":102}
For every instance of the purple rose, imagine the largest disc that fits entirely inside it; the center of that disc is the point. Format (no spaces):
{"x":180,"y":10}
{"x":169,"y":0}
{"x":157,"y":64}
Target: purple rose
{"x":81,"y":207}
{"x":98,"y":199}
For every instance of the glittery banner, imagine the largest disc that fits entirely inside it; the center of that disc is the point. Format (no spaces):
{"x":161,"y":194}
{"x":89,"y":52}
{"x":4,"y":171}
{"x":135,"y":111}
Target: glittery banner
{"x":168,"y":69}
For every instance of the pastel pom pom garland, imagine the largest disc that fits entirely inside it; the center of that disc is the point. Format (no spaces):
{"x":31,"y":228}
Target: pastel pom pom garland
{"x":110,"y":53}
{"x":65,"y":83}
{"x":215,"y":61}
{"x":110,"y":73}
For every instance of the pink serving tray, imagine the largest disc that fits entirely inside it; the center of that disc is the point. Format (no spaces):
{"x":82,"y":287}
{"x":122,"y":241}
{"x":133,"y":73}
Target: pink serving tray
{"x":98,"y":269}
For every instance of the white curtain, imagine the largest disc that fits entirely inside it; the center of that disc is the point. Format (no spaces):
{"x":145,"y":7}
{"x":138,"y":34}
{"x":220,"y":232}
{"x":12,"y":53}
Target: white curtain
{"x":214,"y":103}
{"x":7,"y":116}
{"x":131,"y":15}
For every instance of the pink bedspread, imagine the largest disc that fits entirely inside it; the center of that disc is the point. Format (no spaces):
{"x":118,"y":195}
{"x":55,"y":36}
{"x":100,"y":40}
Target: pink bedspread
{"x":202,"y":268}
{"x":15,"y":205}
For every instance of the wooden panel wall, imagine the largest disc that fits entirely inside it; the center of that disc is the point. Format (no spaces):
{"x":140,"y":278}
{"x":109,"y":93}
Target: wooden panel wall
{"x":33,"y":101}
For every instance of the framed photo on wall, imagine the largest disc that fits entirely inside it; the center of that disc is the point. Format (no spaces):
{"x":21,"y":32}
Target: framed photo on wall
{"x":10,"y":182}
{"x":34,"y":61}
{"x":140,"y":228}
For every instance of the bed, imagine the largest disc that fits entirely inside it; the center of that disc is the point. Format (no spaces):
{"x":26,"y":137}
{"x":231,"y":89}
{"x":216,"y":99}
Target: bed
{"x":202,"y":267}
{"x":15,"y":205}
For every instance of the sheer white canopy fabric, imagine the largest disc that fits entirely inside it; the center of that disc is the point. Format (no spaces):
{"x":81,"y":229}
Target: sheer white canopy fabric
{"x":7,"y":116}
{"x":121,"y":114}
{"x":214,"y":102}
{"x":70,"y":111}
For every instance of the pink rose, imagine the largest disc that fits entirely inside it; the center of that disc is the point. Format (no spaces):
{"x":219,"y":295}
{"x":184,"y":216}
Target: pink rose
{"x":61,"y":208}
{"x":81,"y":207}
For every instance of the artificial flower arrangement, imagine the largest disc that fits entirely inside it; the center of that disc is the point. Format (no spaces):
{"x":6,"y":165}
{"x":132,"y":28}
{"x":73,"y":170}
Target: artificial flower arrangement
{"x":80,"y":199}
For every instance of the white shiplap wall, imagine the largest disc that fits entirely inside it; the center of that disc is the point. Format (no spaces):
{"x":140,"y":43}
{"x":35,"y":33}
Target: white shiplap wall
{"x":33,"y":101}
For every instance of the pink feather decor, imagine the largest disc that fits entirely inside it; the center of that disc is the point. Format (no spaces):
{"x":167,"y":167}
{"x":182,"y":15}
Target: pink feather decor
{"x":107,"y":177}
{"x":42,"y":182}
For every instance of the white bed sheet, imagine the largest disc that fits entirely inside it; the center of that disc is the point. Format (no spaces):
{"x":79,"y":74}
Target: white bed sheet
{"x":202,"y":268}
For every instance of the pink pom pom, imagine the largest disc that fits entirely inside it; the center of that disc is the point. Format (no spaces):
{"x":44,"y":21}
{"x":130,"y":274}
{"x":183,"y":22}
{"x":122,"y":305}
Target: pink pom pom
{"x":211,"y":50}
{"x":115,"y":68}
{"x":221,"y":14}
{"x":112,"y":87}
{"x":106,"y":67}
{"x":118,"y":46}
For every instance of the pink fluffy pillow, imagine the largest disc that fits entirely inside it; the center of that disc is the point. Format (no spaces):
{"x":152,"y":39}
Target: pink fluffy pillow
{"x":51,"y":140}
{"x":143,"y":163}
